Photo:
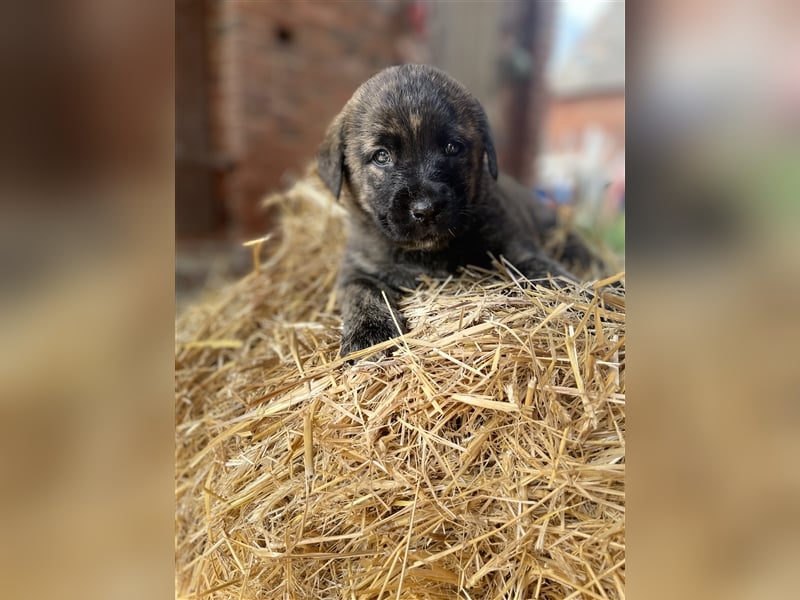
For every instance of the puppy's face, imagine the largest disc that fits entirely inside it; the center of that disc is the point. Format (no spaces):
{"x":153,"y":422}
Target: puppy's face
{"x":409,"y":147}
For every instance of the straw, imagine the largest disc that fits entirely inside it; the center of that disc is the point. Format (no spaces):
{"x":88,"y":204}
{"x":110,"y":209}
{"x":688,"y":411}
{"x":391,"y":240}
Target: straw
{"x":482,"y":458}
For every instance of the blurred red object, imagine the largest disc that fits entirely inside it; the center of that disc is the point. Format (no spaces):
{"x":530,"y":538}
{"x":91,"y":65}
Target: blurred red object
{"x":418,"y":15}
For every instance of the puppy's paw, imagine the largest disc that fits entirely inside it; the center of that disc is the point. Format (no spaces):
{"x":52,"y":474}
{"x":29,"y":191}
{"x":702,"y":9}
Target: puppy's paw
{"x":367,"y":334}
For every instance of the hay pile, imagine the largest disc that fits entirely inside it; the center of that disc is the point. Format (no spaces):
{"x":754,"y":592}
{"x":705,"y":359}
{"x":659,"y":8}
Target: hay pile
{"x":483,"y":459}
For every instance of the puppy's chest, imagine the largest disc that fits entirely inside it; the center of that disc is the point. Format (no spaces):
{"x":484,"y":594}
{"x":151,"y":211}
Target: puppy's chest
{"x":409,"y":265}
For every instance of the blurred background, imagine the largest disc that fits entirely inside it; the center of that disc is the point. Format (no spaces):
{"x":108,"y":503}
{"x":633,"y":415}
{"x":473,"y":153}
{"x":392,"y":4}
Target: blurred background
{"x":257,"y":84}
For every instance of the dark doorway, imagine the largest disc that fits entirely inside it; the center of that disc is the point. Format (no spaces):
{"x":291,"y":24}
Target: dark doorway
{"x":198,"y":207}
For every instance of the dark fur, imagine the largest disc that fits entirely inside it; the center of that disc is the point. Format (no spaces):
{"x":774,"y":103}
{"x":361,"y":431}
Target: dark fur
{"x":427,"y":212}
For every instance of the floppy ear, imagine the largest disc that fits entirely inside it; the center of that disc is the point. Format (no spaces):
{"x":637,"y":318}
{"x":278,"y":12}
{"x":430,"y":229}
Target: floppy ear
{"x":488,"y":141}
{"x":491,"y":155}
{"x":330,"y":157}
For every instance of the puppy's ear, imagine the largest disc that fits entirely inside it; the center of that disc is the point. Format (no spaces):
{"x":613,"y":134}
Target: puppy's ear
{"x":488,"y":141}
{"x":330,"y":158}
{"x":491,"y":155}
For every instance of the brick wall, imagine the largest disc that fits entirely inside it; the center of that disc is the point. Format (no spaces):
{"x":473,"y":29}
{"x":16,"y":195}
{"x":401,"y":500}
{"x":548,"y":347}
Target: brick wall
{"x":280,"y":71}
{"x":569,"y":118}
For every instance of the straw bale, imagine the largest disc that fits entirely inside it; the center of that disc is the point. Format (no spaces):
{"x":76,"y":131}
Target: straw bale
{"x":483,"y":458}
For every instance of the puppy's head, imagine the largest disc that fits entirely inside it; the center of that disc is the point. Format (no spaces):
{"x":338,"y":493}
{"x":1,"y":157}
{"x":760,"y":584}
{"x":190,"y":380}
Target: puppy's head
{"x":409,"y":146}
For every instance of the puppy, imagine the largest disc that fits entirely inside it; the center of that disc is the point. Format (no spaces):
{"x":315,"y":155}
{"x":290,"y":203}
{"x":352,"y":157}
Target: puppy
{"x":411,"y":155}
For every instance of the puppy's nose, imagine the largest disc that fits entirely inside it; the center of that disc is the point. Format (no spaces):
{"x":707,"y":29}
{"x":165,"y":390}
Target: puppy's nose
{"x":422,"y":210}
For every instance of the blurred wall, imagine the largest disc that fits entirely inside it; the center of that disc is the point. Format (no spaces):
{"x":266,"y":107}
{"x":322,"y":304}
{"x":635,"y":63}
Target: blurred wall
{"x":569,"y":118}
{"x":196,"y":168}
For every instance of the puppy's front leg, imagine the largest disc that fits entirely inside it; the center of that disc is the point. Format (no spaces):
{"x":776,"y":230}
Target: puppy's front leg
{"x":367,"y":320}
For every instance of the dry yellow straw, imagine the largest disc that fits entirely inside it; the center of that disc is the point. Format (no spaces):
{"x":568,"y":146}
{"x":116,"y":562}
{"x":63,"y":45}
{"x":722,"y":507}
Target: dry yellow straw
{"x":484,"y":458}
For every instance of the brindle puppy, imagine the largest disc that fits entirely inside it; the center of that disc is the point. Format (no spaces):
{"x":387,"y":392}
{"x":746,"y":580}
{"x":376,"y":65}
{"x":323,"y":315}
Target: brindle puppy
{"x":412,"y":157}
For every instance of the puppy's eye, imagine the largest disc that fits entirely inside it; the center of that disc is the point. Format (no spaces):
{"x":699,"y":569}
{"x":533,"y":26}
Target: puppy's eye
{"x":453,"y":148}
{"x":381,"y":158}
